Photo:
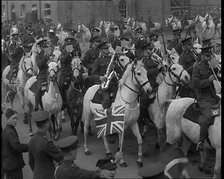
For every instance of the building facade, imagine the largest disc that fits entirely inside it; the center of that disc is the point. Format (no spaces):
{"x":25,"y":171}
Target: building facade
{"x":82,"y":11}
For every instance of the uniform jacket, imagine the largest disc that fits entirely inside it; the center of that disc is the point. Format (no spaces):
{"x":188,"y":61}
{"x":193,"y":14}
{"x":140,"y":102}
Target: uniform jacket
{"x":90,"y":57}
{"x":66,"y":69}
{"x":100,"y":67}
{"x":69,"y":170}
{"x":187,"y":60}
{"x":200,"y":76}
{"x":152,"y":70}
{"x":176,"y":45}
{"x":15,"y":52}
{"x":54,"y":40}
{"x":42,"y":153}
{"x":12,"y":149}
{"x":27,"y":40}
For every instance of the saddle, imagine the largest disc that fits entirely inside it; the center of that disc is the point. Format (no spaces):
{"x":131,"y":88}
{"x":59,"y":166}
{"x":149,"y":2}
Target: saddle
{"x":34,"y":87}
{"x":193,"y":112}
{"x":14,"y":74}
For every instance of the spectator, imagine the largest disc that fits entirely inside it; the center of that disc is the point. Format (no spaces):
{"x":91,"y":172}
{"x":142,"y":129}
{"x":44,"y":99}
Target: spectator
{"x":42,"y":151}
{"x":12,"y":149}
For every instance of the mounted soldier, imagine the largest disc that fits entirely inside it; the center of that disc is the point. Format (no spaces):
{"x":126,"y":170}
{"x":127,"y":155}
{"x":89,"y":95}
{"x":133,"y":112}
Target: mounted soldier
{"x":15,"y":51}
{"x":202,"y":80}
{"x":53,"y":39}
{"x":187,"y":59}
{"x":68,"y":53}
{"x":112,"y":38}
{"x":28,"y":39}
{"x":72,"y":34}
{"x":157,"y":45}
{"x":41,"y":60}
{"x":127,"y":45}
{"x":176,"y":42}
{"x":106,"y":73}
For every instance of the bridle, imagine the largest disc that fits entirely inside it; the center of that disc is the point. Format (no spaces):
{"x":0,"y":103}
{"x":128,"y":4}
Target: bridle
{"x":53,"y":78}
{"x":80,"y":87}
{"x":176,"y":76}
{"x":139,"y":85}
{"x":24,"y":69}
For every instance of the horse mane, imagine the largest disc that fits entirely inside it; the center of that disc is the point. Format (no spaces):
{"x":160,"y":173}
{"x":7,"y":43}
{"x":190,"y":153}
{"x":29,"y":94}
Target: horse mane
{"x":126,"y":74}
{"x":21,"y":62}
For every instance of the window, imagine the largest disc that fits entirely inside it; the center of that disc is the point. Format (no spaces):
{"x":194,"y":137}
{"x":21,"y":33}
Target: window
{"x":122,"y":8}
{"x":47,"y":10}
{"x":23,"y":10}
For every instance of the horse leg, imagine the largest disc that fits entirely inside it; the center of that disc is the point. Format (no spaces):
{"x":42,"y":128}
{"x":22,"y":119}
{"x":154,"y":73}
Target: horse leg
{"x":161,"y":132}
{"x":186,"y":143}
{"x":20,"y":93}
{"x":52,"y":132}
{"x":86,"y":119}
{"x":58,"y":125}
{"x":203,"y":160}
{"x":135,"y":130}
{"x":71,"y":116}
{"x":106,"y":145}
{"x":217,"y":169}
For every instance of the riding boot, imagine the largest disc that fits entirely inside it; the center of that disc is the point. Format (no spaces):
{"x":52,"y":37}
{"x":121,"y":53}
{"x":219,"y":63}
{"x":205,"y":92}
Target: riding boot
{"x":106,"y":100}
{"x":203,"y":135}
{"x":37,"y":100}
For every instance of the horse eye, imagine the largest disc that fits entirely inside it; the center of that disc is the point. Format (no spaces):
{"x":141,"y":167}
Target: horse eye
{"x":174,"y":69}
{"x":122,"y":59}
{"x":138,"y":73}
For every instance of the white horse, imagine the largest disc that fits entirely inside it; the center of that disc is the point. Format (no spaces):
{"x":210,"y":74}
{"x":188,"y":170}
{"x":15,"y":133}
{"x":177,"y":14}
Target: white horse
{"x":24,"y":73}
{"x":134,"y":78}
{"x":176,"y":124}
{"x":175,"y":76}
{"x":51,"y":100}
{"x":34,"y":53}
{"x":173,"y":22}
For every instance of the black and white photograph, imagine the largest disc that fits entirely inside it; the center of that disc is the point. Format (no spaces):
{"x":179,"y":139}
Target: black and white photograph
{"x":111,"y":89}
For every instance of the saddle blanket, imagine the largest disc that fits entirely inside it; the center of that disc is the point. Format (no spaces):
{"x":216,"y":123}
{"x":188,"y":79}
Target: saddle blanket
{"x":33,"y":87}
{"x":98,"y":98}
{"x":193,"y":113}
{"x":109,"y":121}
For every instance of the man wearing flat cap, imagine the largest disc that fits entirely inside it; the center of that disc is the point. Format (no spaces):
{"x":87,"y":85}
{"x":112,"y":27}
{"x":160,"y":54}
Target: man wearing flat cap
{"x":99,"y":71}
{"x":202,"y":81}
{"x":68,"y":52}
{"x":69,"y":169}
{"x":187,"y":59}
{"x":41,"y":60}
{"x":12,"y":149}
{"x":42,"y":151}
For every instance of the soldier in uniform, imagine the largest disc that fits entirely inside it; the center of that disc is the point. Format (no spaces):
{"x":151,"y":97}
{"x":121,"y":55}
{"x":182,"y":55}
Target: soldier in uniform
{"x":128,"y":46}
{"x":41,"y":61}
{"x":68,"y":53}
{"x":152,"y":66}
{"x":28,"y":39}
{"x":69,"y":169}
{"x":15,"y":52}
{"x":202,"y":80}
{"x":112,"y":39}
{"x":157,"y":45}
{"x":42,"y":151}
{"x":176,"y":42}
{"x":72,"y":34}
{"x":98,"y":74}
{"x":92,"y":54}
{"x":187,"y":59}
{"x":53,"y":38}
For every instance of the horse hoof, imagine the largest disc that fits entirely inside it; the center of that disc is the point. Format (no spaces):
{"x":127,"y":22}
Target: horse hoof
{"x":140,"y":164}
{"x":88,"y":153}
{"x":63,"y":120}
{"x":108,"y":154}
{"x":123,"y":165}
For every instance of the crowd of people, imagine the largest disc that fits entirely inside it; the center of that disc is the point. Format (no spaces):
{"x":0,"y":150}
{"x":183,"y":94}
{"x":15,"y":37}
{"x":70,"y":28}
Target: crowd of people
{"x":19,"y":40}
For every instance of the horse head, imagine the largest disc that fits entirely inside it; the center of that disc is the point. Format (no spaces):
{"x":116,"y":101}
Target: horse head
{"x":173,"y":56}
{"x":77,"y":68}
{"x":137,"y":75}
{"x":26,"y":65}
{"x":53,"y":70}
{"x":197,"y":47}
{"x":123,"y":61}
{"x":56,"y":53}
{"x":178,"y":75}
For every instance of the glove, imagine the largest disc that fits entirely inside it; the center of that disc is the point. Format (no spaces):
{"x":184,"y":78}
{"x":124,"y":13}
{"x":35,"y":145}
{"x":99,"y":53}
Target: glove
{"x":211,"y":78}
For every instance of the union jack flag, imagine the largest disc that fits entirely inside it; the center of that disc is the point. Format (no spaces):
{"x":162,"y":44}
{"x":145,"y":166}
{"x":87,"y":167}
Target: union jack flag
{"x":109,"y":121}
